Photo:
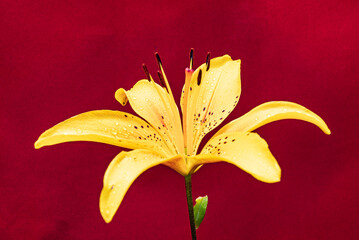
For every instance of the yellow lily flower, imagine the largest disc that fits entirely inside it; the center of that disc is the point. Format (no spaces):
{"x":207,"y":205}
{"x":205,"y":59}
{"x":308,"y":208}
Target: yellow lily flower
{"x":209,"y":95}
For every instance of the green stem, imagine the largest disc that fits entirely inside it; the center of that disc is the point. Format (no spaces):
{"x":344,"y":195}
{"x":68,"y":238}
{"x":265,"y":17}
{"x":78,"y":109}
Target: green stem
{"x":190,"y":205}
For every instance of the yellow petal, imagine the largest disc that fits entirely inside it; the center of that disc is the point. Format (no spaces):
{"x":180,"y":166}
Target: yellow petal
{"x":247,"y":151}
{"x":213,"y":94}
{"x":105,"y":126}
{"x":270,"y":112}
{"x":120,"y":174}
{"x":154,"y":104}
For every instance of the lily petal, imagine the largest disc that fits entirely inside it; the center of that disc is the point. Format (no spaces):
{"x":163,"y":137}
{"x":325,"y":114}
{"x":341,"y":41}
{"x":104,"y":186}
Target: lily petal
{"x":270,"y":112}
{"x":153,"y":103}
{"x":120,"y":174}
{"x":247,"y":151}
{"x":213,"y":93}
{"x":105,"y":126}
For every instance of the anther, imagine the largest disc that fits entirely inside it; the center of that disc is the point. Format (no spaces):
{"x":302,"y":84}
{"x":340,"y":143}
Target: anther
{"x":146,"y":72}
{"x":162,"y":81}
{"x":163,"y":77}
{"x":199,"y":77}
{"x":159,"y":62}
{"x":208,"y":60}
{"x":191,"y":59}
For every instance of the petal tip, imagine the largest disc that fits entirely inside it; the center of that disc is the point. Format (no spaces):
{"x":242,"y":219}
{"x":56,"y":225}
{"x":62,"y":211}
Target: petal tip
{"x":106,"y":212}
{"x":121,"y":96}
{"x":277,"y":178}
{"x":327,"y":131}
{"x":324,"y":127}
{"x":107,"y":217}
{"x":37,"y":144}
{"x":273,"y":177}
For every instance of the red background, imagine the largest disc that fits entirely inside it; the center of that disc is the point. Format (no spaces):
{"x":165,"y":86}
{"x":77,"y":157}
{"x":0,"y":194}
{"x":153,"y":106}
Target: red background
{"x":61,"y":58}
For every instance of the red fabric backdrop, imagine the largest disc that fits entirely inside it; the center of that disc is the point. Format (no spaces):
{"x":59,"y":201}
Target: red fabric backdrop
{"x":61,"y":58}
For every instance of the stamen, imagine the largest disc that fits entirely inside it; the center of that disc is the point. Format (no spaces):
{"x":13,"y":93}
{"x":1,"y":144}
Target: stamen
{"x":191,"y":59}
{"x":162,"y":81}
{"x":172,"y":104}
{"x":158,"y":58}
{"x":199,"y":77}
{"x":159,"y":62}
{"x":208,"y":60}
{"x":146,"y":72}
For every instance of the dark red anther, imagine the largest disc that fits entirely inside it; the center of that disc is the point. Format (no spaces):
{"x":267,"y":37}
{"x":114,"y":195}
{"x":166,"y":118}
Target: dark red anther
{"x":191,"y":59}
{"x":162,"y":81}
{"x":208,"y":60}
{"x":146,"y":72}
{"x":158,"y":59}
